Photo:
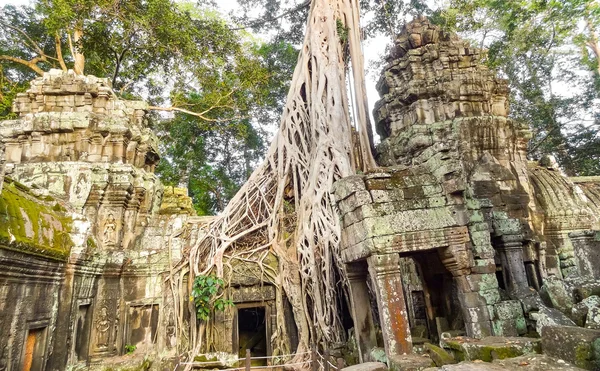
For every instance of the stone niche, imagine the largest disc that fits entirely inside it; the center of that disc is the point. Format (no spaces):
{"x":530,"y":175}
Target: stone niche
{"x":457,"y":230}
{"x":84,"y":239}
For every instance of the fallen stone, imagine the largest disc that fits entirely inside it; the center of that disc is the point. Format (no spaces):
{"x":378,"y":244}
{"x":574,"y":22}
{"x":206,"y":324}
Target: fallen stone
{"x":592,"y":320}
{"x":409,"y":362}
{"x":367,"y":366}
{"x":491,"y":347}
{"x":555,"y":292}
{"x":472,"y":366}
{"x":575,"y":345}
{"x":535,"y":362}
{"x":580,"y":310}
{"x":438,"y":355}
{"x":549,"y":317}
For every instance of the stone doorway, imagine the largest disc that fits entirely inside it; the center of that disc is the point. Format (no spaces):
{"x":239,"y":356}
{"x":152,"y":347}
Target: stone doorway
{"x":251,"y":332}
{"x":34,"y":350}
{"x":438,"y":302}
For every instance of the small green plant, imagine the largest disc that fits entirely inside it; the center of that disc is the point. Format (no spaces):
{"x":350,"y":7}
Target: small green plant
{"x":204,"y":291}
{"x":342,"y":30}
{"x":129,"y":349}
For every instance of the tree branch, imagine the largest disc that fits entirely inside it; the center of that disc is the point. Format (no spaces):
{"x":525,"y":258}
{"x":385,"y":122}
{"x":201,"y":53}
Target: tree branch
{"x":31,"y":64}
{"x":171,"y":109}
{"x":33,"y":44}
{"x":258,"y":23}
{"x":59,"y":53}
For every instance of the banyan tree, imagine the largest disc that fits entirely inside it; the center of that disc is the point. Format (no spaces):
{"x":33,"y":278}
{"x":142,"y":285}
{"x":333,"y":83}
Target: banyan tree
{"x":285,"y":209}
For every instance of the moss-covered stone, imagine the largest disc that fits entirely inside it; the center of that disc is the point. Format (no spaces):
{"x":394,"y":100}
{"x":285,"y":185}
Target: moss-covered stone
{"x":438,"y":355}
{"x":31,"y":225}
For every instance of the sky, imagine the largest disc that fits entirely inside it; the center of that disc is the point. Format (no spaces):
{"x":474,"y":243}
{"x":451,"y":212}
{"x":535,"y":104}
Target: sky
{"x":373,"y":49}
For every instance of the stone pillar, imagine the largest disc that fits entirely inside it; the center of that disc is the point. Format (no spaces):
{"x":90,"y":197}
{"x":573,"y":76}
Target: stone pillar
{"x":364,"y":329}
{"x":510,"y":248}
{"x":387,"y":281}
{"x":476,"y":291}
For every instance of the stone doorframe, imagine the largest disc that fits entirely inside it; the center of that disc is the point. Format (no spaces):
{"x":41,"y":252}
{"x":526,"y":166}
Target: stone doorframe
{"x":125,"y":329}
{"x":385,"y":274}
{"x":235,"y":344}
{"x":74,"y":334}
{"x":42,"y":325}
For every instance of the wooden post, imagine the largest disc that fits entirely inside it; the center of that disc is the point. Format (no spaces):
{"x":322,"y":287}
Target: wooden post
{"x":314,"y":364}
{"x":248,"y":360}
{"x":326,"y":360}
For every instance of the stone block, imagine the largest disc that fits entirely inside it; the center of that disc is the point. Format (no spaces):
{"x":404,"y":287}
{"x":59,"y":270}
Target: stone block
{"x":479,"y":329}
{"x":477,"y":282}
{"x":554,"y":291}
{"x":508,"y":309}
{"x":347,"y":186}
{"x":491,"y":348}
{"x":409,"y":362}
{"x":549,"y":317}
{"x":438,"y":355}
{"x":575,"y":345}
{"x":580,"y":310}
{"x":367,"y":366}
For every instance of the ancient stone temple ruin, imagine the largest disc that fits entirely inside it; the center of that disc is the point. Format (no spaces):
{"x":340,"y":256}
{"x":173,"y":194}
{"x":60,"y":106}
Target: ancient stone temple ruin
{"x":456,"y":240}
{"x":458,"y":233}
{"x":83,"y":232}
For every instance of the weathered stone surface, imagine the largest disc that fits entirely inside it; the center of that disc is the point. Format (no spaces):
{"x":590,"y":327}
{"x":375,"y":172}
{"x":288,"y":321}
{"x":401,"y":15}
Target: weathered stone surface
{"x":549,"y":317}
{"x":575,"y":345}
{"x":409,"y":362}
{"x":535,"y":362}
{"x":490,"y":348}
{"x":81,"y":231}
{"x":580,"y":310}
{"x":438,"y":355}
{"x":367,"y":366}
{"x":555,"y":292}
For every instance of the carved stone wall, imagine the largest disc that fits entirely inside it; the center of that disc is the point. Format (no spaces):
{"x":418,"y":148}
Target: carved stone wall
{"x":88,"y":207}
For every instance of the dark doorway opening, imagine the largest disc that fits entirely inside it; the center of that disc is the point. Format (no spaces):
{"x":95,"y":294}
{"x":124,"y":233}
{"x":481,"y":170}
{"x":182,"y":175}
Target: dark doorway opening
{"x":439,"y":300}
{"x":252,"y":333}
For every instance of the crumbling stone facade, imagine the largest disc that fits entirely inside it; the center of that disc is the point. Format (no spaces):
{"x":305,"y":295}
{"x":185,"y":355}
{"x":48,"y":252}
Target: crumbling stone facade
{"x":457,"y":231}
{"x":83,"y":245}
{"x":88,"y":234}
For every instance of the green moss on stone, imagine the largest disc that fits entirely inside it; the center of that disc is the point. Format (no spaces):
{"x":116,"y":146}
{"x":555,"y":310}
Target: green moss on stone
{"x":583,"y":355}
{"x":29,"y":225}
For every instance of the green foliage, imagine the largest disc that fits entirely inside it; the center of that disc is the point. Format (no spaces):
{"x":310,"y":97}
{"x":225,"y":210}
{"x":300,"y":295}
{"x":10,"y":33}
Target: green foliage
{"x":129,"y":349}
{"x":341,"y":30}
{"x":205,"y":290}
{"x":214,"y":158}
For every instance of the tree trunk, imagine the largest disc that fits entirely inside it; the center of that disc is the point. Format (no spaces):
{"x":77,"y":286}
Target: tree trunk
{"x":78,"y":56}
{"x":285,"y":206}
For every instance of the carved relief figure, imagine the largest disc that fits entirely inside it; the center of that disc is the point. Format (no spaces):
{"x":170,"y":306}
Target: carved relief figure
{"x":102,"y":327}
{"x":110,"y":228}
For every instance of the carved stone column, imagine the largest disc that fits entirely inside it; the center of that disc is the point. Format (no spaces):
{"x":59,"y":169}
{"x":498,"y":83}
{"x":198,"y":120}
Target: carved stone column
{"x":473,"y":288}
{"x":510,"y":248}
{"x":364,"y":329}
{"x":385,"y":273}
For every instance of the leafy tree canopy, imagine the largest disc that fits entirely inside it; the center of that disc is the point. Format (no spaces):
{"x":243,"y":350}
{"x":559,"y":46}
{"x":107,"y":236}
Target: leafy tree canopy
{"x":224,"y":87}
